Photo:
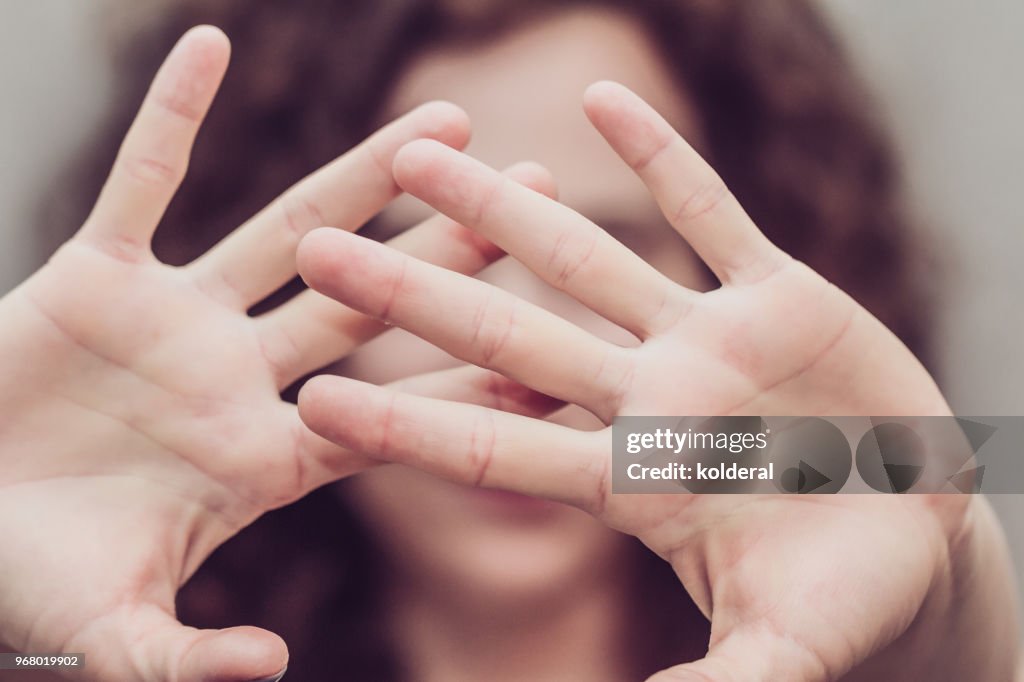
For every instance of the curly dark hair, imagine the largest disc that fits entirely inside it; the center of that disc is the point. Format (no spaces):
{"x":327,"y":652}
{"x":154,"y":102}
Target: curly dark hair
{"x":787,"y":125}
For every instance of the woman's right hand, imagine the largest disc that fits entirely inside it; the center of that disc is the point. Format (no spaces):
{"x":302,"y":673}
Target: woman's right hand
{"x":140,"y":418}
{"x":797,"y":587}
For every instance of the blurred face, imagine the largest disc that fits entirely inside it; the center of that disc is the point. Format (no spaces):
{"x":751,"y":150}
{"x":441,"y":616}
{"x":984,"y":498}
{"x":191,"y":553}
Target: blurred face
{"x":523,"y":93}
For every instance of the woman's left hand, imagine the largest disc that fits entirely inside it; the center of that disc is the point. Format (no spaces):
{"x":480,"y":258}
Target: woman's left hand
{"x":796,"y":587}
{"x":141,"y":422}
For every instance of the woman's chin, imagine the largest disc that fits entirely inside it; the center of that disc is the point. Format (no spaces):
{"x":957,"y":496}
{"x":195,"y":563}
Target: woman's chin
{"x":492,"y":544}
{"x":519,"y":549}
{"x":523,"y":567}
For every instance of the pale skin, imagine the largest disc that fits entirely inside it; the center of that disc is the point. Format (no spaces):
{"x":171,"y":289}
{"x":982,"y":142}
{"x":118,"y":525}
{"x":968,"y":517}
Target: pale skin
{"x":143,"y":426}
{"x":809,"y":588}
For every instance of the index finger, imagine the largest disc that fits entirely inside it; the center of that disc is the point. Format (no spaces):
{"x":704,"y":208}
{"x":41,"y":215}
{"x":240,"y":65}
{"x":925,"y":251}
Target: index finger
{"x":463,"y":443}
{"x":554,"y":241}
{"x":259,"y":257}
{"x":689,"y":192}
{"x":152,"y":160}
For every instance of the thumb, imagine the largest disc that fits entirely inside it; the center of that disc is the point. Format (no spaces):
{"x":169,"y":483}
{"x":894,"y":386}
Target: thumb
{"x":239,"y":654}
{"x":153,"y":646}
{"x":752,"y":656}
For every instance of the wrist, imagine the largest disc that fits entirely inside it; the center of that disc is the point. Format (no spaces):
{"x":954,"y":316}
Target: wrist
{"x":970,"y":620}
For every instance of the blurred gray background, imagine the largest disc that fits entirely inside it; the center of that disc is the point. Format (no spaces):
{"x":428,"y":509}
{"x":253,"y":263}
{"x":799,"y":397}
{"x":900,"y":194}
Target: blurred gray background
{"x":947,"y":74}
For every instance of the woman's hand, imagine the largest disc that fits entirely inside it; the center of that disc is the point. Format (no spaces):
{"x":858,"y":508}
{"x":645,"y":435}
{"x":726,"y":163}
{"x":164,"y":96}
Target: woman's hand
{"x":140,"y":418}
{"x":796,"y":587}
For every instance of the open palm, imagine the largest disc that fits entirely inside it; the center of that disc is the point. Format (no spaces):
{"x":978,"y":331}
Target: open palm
{"x":142,"y":424}
{"x":795,"y":589}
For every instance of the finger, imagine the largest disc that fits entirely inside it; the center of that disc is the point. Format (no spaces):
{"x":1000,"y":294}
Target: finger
{"x":259,"y":257}
{"x":463,"y":443}
{"x":327,"y":461}
{"x":239,"y":654}
{"x":154,"y":155}
{"x":474,"y":321}
{"x":561,"y":246}
{"x":312,"y":330}
{"x":477,"y":386}
{"x":690,"y":193}
{"x":752,"y":656}
{"x":147,"y":643}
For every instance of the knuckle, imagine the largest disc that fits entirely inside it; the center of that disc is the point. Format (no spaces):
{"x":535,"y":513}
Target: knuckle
{"x":300,"y":214}
{"x":671,"y":310}
{"x":570,"y":253}
{"x":280,"y":351}
{"x":490,"y":198}
{"x":492,"y":326}
{"x":152,"y":171}
{"x":379,"y":154}
{"x":598,"y":502}
{"x":480,"y":449}
{"x":219,"y":285}
{"x":122,"y":246}
{"x":395,"y":288}
{"x":641,"y":163}
{"x":616,"y":373}
{"x":706,"y":198}
{"x":761,"y":264}
{"x":179,"y":106}
{"x":387,"y":445}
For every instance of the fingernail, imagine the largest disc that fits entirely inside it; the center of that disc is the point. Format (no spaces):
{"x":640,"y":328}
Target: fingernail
{"x":273,"y":678}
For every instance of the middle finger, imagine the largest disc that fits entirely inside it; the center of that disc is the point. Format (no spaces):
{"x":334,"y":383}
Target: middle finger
{"x":470,"y":319}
